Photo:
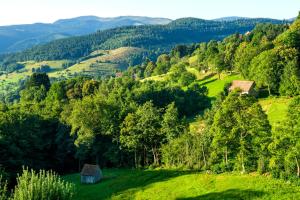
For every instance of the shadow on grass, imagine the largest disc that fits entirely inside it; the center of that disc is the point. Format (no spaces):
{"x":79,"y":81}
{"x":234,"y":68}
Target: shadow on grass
{"x":207,"y":82}
{"x":232,"y":194}
{"x":208,"y":76}
{"x":115,"y":182}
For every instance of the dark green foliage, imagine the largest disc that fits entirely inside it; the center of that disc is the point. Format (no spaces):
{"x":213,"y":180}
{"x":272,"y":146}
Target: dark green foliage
{"x":171,"y":126}
{"x":285,"y":147}
{"x":290,"y":80}
{"x":89,"y":87}
{"x":188,"y":30}
{"x":182,"y":50}
{"x":186,"y":79}
{"x":162,"y":65}
{"x":266,"y":70}
{"x":42,"y":69}
{"x":143,"y":135}
{"x":37,"y":80}
{"x":189,"y":150}
{"x":149,"y":69}
{"x":241,"y":133}
{"x":29,"y":139}
{"x":10,"y":67}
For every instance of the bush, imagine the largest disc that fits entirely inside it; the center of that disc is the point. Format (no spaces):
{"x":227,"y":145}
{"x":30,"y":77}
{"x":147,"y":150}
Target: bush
{"x":44,"y":185}
{"x":3,"y":189}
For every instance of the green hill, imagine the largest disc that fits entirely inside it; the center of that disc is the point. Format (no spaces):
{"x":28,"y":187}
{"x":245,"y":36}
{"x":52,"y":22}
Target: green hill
{"x":276,"y":108}
{"x":99,"y":63}
{"x":154,"y":37}
{"x":171,"y":184}
{"x":20,"y":37}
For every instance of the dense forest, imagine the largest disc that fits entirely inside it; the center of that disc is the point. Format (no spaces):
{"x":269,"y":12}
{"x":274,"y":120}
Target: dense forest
{"x":131,"y":122}
{"x":17,"y":38}
{"x":151,"y":37}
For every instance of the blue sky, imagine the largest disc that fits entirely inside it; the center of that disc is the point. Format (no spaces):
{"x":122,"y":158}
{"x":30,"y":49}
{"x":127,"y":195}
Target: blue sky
{"x":29,"y":11}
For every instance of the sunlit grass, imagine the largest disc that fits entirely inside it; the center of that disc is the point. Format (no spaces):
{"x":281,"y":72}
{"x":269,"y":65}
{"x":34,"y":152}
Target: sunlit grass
{"x":171,"y":184}
{"x":276,"y":108}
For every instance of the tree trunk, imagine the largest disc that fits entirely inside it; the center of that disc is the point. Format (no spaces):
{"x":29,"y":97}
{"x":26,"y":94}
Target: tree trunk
{"x":204,"y":158}
{"x":269,"y":90}
{"x":226,"y":156}
{"x":135,"y":160}
{"x":298,"y":168}
{"x":79,"y":165}
{"x":97,"y":159}
{"x":146,"y":161}
{"x":155,"y":159}
{"x":243,"y":164}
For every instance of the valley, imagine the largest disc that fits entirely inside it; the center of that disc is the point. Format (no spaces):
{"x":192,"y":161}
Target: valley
{"x":150,"y":108}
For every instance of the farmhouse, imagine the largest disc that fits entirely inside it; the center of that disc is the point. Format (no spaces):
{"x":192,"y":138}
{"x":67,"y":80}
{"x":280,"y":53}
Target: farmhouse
{"x":246,"y":87}
{"x":119,"y":74}
{"x":91,"y":174}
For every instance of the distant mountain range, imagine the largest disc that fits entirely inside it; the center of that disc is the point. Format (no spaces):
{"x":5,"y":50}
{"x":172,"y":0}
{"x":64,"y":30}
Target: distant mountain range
{"x":152,"y":38}
{"x":233,"y":18}
{"x":19,"y":37}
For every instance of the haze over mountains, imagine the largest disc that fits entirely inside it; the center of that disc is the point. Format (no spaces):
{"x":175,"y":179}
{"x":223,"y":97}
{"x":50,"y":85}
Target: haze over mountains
{"x":19,"y":37}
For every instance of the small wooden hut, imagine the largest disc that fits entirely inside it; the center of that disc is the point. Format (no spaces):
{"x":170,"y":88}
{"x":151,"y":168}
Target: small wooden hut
{"x":246,"y":87}
{"x":91,"y":174}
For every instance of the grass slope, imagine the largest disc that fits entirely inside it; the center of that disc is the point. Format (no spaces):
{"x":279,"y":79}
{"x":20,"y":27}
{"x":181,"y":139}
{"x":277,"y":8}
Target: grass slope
{"x":182,"y":185}
{"x":275,"y":108}
{"x":215,"y":85}
{"x":99,"y":63}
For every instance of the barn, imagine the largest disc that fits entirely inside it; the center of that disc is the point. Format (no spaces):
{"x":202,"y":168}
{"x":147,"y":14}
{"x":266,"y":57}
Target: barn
{"x":246,"y":87}
{"x":90,"y":174}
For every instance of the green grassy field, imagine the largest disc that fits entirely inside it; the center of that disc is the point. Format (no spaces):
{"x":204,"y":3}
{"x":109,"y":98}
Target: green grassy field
{"x":182,"y":185}
{"x":275,"y":108}
{"x":215,"y":85}
{"x":99,"y":63}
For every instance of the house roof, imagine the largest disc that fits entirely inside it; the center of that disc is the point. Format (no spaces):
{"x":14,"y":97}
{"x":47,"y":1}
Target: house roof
{"x":245,"y":86}
{"x":90,"y":170}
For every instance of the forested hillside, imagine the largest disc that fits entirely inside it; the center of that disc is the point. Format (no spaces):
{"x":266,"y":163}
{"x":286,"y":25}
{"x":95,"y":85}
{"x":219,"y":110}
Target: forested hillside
{"x":20,"y":37}
{"x":175,"y":112}
{"x":154,"y":37}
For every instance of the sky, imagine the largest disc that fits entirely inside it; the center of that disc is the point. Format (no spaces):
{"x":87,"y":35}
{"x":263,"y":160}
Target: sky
{"x":48,"y":11}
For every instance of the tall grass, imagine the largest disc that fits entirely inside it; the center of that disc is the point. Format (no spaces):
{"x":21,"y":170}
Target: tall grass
{"x":42,"y":185}
{"x":3,"y":189}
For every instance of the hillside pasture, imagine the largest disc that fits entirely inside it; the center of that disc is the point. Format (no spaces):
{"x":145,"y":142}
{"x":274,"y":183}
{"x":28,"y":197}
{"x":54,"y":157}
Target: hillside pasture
{"x":182,"y":185}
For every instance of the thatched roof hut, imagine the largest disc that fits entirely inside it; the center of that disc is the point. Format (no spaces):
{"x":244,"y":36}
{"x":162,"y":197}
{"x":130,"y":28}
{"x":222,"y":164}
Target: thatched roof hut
{"x":91,"y":174}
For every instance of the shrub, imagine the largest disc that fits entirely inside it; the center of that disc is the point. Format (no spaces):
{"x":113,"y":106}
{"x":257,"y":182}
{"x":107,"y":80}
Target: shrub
{"x":3,"y":189}
{"x":44,"y":185}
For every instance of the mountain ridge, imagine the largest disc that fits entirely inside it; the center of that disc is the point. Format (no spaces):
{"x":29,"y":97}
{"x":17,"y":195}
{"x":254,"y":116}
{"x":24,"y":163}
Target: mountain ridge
{"x":20,"y":37}
{"x":150,"y":37}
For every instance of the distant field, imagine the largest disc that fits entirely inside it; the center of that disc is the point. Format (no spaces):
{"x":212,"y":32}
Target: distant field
{"x":183,"y":185}
{"x":98,"y":63}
